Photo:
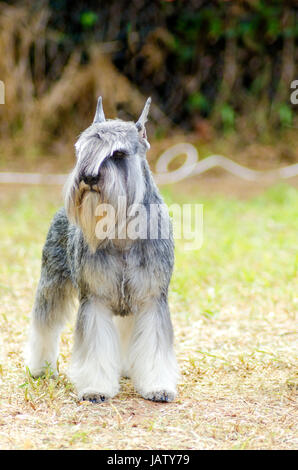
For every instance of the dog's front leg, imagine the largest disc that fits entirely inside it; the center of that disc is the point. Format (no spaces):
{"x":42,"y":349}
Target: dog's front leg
{"x":95,"y":367}
{"x":151,"y":358}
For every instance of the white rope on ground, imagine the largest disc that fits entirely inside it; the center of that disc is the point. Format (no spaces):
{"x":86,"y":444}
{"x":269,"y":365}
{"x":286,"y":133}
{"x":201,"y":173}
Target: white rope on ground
{"x":190,"y":167}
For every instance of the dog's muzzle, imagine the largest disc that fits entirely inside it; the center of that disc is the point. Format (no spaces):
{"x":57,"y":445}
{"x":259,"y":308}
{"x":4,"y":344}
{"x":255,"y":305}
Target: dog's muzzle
{"x":88,"y":184}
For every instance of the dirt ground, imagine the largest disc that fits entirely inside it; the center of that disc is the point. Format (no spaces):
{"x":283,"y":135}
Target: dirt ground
{"x":232,"y":394}
{"x":238,"y":386}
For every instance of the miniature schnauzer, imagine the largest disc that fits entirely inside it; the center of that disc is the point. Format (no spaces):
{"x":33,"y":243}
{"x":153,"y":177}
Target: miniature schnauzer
{"x":123,"y":325}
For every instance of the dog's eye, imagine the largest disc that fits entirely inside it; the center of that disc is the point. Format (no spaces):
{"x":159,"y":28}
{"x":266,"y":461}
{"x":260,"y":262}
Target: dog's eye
{"x":119,"y":154}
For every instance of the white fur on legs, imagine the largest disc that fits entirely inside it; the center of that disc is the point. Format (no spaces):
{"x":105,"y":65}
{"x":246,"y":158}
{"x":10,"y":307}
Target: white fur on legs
{"x":53,"y":305}
{"x":152,"y":359}
{"x":43,"y":348}
{"x":95,"y":367}
{"x":124,"y":326}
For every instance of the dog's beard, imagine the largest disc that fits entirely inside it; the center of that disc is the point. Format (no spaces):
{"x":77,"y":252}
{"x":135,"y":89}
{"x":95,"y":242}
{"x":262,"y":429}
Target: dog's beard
{"x":83,"y":207}
{"x":86,"y":218}
{"x":82,"y":204}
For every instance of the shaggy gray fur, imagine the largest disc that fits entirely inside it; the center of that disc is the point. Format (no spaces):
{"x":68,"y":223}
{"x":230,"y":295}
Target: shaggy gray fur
{"x":127,"y":278}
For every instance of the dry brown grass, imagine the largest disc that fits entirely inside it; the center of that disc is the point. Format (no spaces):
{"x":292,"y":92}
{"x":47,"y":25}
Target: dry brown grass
{"x":238,"y":387}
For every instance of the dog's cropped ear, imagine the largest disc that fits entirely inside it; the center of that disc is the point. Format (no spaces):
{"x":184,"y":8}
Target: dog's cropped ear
{"x":143,"y":119}
{"x":99,"y":114}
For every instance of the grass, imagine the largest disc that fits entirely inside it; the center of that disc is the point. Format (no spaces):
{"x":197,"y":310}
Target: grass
{"x":233,"y":304}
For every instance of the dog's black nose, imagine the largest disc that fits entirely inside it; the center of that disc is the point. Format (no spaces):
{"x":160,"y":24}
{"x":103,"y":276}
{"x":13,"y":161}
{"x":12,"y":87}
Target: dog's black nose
{"x":90,"y":179}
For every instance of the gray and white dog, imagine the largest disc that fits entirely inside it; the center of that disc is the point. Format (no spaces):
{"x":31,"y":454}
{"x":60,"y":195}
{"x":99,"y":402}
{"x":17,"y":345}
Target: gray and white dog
{"x":123,"y":325}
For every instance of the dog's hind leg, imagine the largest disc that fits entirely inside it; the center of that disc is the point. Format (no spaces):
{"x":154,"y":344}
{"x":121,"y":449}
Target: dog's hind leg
{"x":51,"y":309}
{"x":53,"y":300}
{"x":95,"y":366}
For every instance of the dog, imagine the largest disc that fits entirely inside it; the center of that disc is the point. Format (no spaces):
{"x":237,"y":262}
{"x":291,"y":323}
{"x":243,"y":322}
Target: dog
{"x":123,"y":325}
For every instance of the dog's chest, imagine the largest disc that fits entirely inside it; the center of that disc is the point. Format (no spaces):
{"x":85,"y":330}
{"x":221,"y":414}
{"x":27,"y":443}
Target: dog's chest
{"x":121,"y":281}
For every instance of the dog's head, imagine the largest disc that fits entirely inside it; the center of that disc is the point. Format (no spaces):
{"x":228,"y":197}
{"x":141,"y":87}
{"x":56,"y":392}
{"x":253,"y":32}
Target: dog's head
{"x":108,"y":167}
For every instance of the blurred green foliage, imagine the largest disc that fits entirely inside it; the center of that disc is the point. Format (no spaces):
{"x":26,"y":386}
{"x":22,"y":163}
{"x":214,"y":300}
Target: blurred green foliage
{"x":199,"y":59}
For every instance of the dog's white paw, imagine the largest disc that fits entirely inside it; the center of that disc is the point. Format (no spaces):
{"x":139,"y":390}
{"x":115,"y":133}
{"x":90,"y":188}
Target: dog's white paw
{"x":42,"y":371}
{"x":160,"y":395}
{"x":94,"y":396}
